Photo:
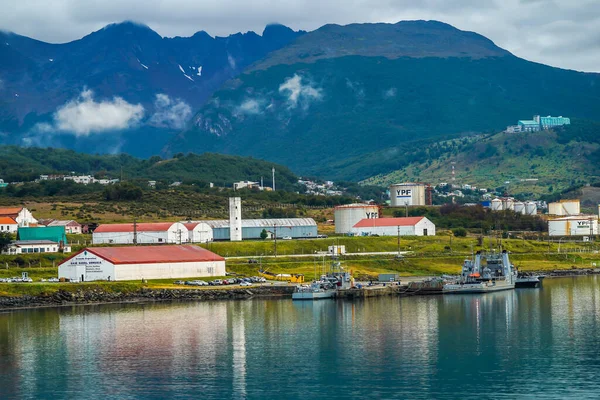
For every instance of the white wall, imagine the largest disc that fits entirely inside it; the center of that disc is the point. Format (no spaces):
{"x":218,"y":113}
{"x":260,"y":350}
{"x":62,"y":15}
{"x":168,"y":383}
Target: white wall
{"x":423,"y":225}
{"x":25,"y":218}
{"x":202,"y":233}
{"x":416,"y":230}
{"x":89,"y":266}
{"x":126,"y":272}
{"x":12,"y":228}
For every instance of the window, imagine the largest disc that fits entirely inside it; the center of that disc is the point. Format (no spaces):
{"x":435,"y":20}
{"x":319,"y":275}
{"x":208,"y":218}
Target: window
{"x":160,"y":240}
{"x":36,"y":250}
{"x":42,"y":250}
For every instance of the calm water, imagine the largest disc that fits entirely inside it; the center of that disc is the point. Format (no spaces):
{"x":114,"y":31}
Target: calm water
{"x":521,"y":344}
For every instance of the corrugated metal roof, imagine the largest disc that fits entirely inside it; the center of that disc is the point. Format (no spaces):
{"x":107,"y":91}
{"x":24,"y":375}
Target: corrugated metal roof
{"x":141,"y":227}
{"x":10,"y":210}
{"x":259,"y":223}
{"x":151,"y":254}
{"x":7,"y":221}
{"x":52,"y":233}
{"x":373,"y":222}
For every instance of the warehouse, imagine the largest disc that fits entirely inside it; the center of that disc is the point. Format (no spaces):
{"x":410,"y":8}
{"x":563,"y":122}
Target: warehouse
{"x":346,"y":216}
{"x":577,"y":225}
{"x":199,"y":232}
{"x":409,"y":226}
{"x":141,"y":233}
{"x":252,"y":228}
{"x":141,"y":262}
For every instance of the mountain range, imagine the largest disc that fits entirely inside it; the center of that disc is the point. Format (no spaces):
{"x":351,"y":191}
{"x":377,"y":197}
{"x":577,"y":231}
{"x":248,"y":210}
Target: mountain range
{"x":343,"y":102}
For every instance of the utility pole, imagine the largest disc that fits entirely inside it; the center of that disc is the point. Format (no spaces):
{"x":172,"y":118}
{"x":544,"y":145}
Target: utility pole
{"x":275,"y":234}
{"x":135,"y":232}
{"x":398,"y":240}
{"x":406,"y":209}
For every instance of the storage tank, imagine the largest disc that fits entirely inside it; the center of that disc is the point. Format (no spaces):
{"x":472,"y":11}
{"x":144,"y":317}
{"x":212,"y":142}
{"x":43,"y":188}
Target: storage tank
{"x":412,"y":194}
{"x":508,"y":204}
{"x":571,"y":207}
{"x":348,"y":215}
{"x":564,"y":207}
{"x":519,"y":207}
{"x":496,"y":205}
{"x":530,"y":208}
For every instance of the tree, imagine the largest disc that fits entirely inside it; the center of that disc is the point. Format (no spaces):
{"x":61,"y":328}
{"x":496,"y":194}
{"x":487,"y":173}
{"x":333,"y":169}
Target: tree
{"x":5,"y":240}
{"x":264,"y":234}
{"x":459,"y":232}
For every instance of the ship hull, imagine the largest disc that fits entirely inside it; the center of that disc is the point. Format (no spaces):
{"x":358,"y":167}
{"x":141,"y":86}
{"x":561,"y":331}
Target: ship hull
{"x":313,"y":295}
{"x":452,"y":288}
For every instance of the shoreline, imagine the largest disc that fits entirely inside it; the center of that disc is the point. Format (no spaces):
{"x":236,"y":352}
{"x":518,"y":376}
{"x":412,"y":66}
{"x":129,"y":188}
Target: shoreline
{"x":98,"y":296}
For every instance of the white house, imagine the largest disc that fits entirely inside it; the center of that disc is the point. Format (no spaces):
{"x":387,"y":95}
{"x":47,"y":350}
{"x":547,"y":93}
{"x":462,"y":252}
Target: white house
{"x":20,"y":214}
{"x":141,"y":262}
{"x":145,"y":233}
{"x":7,"y":224}
{"x":34,"y":246}
{"x":408,"y":226}
{"x":199,"y":232}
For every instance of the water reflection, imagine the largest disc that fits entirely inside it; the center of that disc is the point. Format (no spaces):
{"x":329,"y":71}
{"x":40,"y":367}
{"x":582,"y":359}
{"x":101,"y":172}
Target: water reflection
{"x":504,"y":344}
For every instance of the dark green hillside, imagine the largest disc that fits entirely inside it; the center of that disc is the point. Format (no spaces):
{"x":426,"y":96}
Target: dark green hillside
{"x":347,"y":108}
{"x":25,"y":164}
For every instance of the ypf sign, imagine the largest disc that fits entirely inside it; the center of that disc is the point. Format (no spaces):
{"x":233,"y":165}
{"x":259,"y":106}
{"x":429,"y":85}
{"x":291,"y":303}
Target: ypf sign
{"x":404,"y":196}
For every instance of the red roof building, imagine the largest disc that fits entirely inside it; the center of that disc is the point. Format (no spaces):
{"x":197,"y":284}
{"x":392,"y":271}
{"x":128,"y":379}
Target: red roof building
{"x":141,"y":262}
{"x":141,"y":233}
{"x":407,"y":226}
{"x":8,"y":224}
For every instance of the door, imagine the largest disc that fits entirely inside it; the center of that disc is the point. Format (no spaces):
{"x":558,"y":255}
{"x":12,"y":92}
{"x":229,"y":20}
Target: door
{"x":424,"y":232}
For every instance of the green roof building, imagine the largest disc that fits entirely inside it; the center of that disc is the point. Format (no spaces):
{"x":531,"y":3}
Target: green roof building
{"x":53,"y":233}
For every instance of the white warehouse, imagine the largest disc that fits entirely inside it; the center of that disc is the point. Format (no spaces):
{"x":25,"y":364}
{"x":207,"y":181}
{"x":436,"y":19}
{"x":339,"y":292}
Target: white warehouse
{"x":147,"y":233}
{"x":141,"y":262}
{"x":408,"y":226}
{"x":577,"y":225}
{"x":199,"y":232}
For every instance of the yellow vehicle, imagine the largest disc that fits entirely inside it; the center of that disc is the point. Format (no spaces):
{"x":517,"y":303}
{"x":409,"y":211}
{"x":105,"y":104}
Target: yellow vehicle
{"x":292,"y":278}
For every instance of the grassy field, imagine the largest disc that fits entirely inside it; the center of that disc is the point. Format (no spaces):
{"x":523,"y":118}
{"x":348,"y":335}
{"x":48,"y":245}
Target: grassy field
{"x":434,"y":255}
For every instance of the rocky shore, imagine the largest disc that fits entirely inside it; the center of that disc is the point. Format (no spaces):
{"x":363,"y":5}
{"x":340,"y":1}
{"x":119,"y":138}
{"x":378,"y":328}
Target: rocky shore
{"x":98,"y":296}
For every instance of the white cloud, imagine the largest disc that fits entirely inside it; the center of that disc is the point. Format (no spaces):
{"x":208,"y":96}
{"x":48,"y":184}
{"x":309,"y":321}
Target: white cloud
{"x":250,"y":106}
{"x":391,"y":92}
{"x":170,"y":113}
{"x":84,"y":116}
{"x":297,"y":92}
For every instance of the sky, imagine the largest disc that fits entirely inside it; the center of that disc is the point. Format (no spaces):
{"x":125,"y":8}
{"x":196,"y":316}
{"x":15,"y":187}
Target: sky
{"x":561,"y":33}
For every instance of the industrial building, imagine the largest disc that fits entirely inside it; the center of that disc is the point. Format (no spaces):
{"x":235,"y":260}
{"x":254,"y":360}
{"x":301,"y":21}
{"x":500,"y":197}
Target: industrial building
{"x":141,"y":262}
{"x":564,"y":208}
{"x":252,"y":228}
{"x":346,"y":216}
{"x":410,"y":194}
{"x":141,"y":233}
{"x":575,"y":225}
{"x":198,"y":232}
{"x":408,"y":226}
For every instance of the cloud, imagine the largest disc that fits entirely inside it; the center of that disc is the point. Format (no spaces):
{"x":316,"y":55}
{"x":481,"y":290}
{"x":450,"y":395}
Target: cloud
{"x":391,"y":92}
{"x":250,"y":106}
{"x":170,"y":113}
{"x":357,"y":88}
{"x":299,"y":93}
{"x":84,"y":116}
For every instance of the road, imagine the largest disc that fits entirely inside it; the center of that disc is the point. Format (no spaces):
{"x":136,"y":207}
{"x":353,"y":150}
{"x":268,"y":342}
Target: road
{"x":367,"y":253}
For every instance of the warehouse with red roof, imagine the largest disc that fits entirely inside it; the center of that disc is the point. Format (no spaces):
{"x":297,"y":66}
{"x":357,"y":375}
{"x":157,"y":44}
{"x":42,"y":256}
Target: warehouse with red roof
{"x":141,"y":233}
{"x":141,"y":262}
{"x":407,"y":226}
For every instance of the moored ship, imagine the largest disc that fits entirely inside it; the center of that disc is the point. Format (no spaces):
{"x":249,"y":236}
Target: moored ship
{"x":497,"y":274}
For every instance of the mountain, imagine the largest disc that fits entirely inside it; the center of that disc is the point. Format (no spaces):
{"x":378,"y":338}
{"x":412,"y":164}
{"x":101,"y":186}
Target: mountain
{"x":126,"y":60}
{"x":352,"y":101}
{"x":537,"y":163}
